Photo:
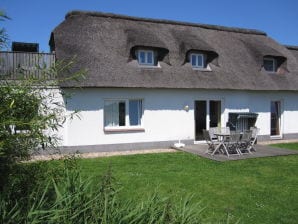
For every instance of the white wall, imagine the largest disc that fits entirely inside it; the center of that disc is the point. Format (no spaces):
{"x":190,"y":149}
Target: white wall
{"x":55,"y":104}
{"x":164,"y":116}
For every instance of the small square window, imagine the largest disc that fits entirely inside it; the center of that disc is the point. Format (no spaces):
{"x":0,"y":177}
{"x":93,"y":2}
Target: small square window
{"x":145,"y":57}
{"x":197,"y":60}
{"x":270,"y":64}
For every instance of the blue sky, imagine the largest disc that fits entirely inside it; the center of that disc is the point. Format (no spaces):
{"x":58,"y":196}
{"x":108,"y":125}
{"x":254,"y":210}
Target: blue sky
{"x":33,"y":20}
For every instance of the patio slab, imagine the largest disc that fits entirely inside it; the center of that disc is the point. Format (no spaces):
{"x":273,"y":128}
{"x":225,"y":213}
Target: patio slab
{"x":261,"y":151}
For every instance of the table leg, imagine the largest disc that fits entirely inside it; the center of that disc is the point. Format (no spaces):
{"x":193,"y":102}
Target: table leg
{"x":216,"y":149}
{"x":225,"y":148}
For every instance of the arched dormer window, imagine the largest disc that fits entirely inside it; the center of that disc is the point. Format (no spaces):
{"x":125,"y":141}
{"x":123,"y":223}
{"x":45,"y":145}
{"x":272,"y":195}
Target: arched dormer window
{"x":194,"y":51}
{"x":267,"y":57}
{"x":149,"y":57}
{"x":275,"y":64}
{"x":200,"y":60}
{"x":146,"y":48}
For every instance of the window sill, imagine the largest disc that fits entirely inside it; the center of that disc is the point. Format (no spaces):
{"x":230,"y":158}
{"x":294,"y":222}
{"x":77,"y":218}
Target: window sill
{"x":123,"y":129}
{"x":275,"y":137}
{"x":149,"y":66}
{"x":202,"y":69}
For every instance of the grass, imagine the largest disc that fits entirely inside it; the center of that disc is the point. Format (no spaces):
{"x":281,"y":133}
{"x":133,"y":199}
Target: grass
{"x":293,"y":145}
{"x":260,"y":190}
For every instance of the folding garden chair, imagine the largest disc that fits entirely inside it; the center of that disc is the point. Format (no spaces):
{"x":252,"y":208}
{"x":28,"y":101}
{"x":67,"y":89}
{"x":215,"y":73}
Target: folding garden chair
{"x":211,"y":143}
{"x":254,"y":136}
{"x":233,"y":144}
{"x":245,"y":142}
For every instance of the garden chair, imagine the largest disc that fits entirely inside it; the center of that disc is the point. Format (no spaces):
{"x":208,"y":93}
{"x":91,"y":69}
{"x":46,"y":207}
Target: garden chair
{"x":212,"y":131}
{"x":211,"y":143}
{"x":254,"y":136}
{"x":233,"y":143}
{"x":225,"y":130}
{"x":245,"y":142}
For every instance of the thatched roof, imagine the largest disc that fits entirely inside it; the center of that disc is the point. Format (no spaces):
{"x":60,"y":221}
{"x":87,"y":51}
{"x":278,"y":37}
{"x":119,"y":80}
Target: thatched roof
{"x":103,"y":44}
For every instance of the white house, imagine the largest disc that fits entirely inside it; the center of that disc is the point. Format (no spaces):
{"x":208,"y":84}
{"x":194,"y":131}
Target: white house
{"x":153,"y":82}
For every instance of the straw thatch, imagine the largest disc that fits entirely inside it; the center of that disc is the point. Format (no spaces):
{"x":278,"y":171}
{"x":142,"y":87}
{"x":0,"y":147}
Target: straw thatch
{"x":104,"y":44}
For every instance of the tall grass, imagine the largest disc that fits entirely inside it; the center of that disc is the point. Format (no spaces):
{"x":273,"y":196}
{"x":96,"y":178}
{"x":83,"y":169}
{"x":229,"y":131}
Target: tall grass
{"x":68,"y":198}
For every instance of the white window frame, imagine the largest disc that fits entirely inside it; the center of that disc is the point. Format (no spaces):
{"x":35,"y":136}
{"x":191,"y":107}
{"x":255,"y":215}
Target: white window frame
{"x":273,"y":60}
{"x":127,"y":126}
{"x":146,"y":52}
{"x":196,"y":64}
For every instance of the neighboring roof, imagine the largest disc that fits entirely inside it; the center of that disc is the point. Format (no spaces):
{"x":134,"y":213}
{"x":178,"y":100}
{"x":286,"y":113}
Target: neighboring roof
{"x":102,"y":44}
{"x":24,"y":47}
{"x":294,"y":50}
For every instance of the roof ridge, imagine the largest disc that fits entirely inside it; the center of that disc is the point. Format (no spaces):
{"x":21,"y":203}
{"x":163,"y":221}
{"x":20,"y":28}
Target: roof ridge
{"x":205,"y":26}
{"x":291,"y":47}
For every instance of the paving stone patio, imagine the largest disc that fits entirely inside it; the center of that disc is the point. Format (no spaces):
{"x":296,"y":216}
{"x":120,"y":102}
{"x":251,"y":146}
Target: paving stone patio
{"x":261,"y":151}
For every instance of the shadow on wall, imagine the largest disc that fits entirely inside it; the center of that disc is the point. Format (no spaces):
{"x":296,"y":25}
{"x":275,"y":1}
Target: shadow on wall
{"x":92,"y":99}
{"x":82,"y":100}
{"x":175,"y":100}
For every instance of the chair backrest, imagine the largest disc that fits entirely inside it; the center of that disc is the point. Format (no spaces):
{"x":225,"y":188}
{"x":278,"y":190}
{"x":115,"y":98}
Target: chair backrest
{"x":235,"y":137}
{"x":206,"y":135}
{"x":255,"y":132}
{"x":225,"y":130}
{"x":212,"y":131}
{"x":246,"y":136}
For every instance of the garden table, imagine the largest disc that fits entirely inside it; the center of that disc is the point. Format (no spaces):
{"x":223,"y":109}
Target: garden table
{"x":222,"y":142}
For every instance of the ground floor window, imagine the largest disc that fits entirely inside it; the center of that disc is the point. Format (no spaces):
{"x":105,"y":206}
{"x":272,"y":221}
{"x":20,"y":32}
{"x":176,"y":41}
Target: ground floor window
{"x":123,"y":113}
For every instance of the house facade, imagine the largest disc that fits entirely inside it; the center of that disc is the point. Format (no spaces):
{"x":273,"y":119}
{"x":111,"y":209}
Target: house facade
{"x":150,"y":83}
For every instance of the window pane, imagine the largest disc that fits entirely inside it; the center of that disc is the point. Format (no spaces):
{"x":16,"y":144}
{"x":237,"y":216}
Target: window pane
{"x":193,"y":60}
{"x":269,"y":65}
{"x":114,"y":113}
{"x":142,"y":59}
{"x":149,"y":57}
{"x":199,"y":60}
{"x":111,"y":113}
{"x":135,"y":112}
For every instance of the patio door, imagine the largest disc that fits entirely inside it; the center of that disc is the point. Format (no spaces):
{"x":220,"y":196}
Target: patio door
{"x":200,"y":119}
{"x":207,"y":114}
{"x":275,"y":118}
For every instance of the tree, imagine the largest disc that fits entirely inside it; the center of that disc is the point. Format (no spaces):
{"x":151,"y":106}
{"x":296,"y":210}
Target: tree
{"x":3,"y":34}
{"x":31,"y":110}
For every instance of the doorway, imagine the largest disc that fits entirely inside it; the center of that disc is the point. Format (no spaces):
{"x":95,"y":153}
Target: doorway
{"x":275,"y":118}
{"x":207,"y":114}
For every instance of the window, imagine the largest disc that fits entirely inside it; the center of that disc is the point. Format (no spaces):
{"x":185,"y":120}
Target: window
{"x":270,"y":64}
{"x":123,"y":113}
{"x":197,"y":60}
{"x":146,"y":57}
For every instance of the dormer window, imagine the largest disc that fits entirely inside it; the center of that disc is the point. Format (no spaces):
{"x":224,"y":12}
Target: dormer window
{"x":200,"y":60}
{"x":146,"y":57}
{"x":270,"y":64}
{"x":197,"y":60}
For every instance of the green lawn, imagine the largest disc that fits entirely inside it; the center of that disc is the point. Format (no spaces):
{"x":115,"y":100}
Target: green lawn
{"x":293,"y":145}
{"x":260,"y":190}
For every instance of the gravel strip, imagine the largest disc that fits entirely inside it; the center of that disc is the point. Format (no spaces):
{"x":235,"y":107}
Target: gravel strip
{"x":99,"y":154}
